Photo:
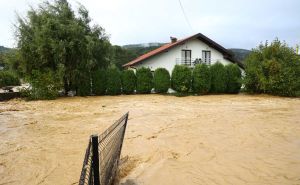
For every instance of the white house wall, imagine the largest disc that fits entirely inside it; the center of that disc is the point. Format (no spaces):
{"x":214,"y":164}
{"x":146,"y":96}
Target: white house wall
{"x":167,"y":59}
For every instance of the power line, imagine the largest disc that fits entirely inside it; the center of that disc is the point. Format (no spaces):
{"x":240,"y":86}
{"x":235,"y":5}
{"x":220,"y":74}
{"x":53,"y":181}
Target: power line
{"x":185,"y":16}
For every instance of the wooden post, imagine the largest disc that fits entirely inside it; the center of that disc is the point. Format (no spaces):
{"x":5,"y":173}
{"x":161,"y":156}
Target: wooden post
{"x":95,"y":160}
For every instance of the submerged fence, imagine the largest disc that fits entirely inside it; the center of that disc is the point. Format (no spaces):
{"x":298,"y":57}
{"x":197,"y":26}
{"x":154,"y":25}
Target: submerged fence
{"x":100,"y":165}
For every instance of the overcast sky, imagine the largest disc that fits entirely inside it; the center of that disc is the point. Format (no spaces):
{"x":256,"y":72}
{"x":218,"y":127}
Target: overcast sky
{"x":231,"y":23}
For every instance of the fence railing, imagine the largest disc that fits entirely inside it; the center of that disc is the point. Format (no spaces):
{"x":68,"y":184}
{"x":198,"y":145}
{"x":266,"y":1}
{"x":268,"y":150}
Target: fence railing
{"x":191,"y":62}
{"x":100,"y":165}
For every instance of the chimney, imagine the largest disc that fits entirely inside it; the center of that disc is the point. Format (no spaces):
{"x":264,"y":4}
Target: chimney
{"x":173,"y":39}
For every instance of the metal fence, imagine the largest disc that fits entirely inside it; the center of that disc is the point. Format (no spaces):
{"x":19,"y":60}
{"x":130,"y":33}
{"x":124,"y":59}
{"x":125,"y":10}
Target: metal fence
{"x":100,"y":165}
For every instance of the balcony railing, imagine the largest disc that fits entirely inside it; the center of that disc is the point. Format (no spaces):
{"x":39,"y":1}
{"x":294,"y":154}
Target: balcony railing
{"x":191,"y":62}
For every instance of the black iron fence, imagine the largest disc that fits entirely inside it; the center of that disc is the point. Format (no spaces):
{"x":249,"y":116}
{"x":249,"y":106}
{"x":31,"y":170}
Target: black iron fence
{"x":100,"y":165}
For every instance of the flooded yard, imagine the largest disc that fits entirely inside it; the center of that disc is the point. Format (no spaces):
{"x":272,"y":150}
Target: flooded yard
{"x":216,"y":139}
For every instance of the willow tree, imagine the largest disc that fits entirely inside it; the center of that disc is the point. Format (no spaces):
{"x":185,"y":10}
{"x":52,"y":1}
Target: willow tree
{"x":54,"y":37}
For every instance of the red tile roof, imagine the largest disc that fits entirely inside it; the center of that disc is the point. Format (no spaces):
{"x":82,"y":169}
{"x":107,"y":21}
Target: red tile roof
{"x":168,"y":46}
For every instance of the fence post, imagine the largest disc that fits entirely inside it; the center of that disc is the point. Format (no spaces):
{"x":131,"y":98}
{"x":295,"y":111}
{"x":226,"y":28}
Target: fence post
{"x":95,"y":160}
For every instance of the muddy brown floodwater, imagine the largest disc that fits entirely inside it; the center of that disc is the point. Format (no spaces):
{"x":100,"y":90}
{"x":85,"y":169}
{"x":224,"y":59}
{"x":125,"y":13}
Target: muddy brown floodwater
{"x":217,"y":139}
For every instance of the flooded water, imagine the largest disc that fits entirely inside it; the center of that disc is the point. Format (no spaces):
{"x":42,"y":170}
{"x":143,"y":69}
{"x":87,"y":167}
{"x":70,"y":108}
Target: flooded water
{"x":218,"y":139}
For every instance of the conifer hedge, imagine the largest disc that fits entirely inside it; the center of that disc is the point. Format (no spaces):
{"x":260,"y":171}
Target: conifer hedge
{"x":144,"y":80}
{"x":181,"y":79}
{"x":161,"y":80}
{"x":201,"y":79}
{"x":218,"y":78}
{"x":128,"y":82}
{"x":113,"y":81}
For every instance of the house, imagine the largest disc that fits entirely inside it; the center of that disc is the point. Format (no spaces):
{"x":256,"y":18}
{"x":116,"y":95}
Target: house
{"x":189,"y":51}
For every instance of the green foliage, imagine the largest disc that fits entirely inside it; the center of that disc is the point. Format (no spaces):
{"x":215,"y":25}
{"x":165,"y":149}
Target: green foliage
{"x":128,"y":81}
{"x":181,"y":79}
{"x":161,"y":80}
{"x":218,"y":78}
{"x":273,"y":68}
{"x":122,"y":56}
{"x":8,"y":79}
{"x":53,"y":35}
{"x":113,"y":81}
{"x":45,"y":84}
{"x":144,"y":80}
{"x":201,"y":79}
{"x":99,"y":82}
{"x":234,"y":78}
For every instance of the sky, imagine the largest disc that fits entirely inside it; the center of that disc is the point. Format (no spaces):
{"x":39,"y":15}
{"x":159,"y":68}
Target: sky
{"x":231,"y":23}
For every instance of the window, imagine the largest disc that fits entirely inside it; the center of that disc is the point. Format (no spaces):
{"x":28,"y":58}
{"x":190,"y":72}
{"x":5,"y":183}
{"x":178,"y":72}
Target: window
{"x":206,"y":57}
{"x":186,"y":57}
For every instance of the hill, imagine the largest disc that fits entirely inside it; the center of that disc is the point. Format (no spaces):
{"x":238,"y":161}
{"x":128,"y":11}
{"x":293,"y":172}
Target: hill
{"x":240,"y":54}
{"x":4,"y":49}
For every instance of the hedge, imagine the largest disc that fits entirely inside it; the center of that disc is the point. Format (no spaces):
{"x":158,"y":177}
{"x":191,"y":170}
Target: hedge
{"x":181,"y":78}
{"x":218,"y":78}
{"x":8,"y":79}
{"x":234,"y":78}
{"x":201,"y":79}
{"x":83,"y":83}
{"x":144,"y":80}
{"x":113,"y":76}
{"x":128,"y":81}
{"x":161,"y":80}
{"x":99,"y":82}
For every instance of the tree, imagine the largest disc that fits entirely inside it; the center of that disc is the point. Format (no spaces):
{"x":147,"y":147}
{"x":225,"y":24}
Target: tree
{"x":181,"y":79}
{"x":273,"y":68}
{"x":53,"y":35}
{"x":99,"y":82}
{"x":218,"y":78}
{"x":144,"y":80}
{"x":128,"y":81}
{"x":161,"y":80}
{"x":234,"y":78}
{"x":201,"y":79}
{"x":113,"y":81}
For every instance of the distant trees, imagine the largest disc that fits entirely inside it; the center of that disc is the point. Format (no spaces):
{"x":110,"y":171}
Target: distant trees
{"x":273,"y":68}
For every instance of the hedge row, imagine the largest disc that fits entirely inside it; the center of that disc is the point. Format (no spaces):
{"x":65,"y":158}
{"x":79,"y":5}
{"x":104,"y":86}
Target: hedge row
{"x":202,"y":80}
{"x":8,"y":79}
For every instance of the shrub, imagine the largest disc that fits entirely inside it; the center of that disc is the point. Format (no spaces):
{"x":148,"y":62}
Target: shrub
{"x":8,"y":79}
{"x":128,"y":81}
{"x":144,"y":80}
{"x":113,"y":81}
{"x":161,"y":80}
{"x":181,"y":79}
{"x":99,"y":82}
{"x":218,"y":78}
{"x":273,"y":68}
{"x":234,"y":78}
{"x":44,"y":85}
{"x":201,"y":79}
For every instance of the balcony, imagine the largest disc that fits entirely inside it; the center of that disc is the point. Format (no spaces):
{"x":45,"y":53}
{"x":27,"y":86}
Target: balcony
{"x":191,"y":62}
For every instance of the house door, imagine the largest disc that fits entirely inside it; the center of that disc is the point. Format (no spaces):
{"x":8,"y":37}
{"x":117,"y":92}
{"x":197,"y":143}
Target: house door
{"x":206,"y":57}
{"x":186,"y":57}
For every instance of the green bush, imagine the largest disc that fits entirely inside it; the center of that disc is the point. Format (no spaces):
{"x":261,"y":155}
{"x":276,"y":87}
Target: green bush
{"x":8,"y":79}
{"x":161,"y":80}
{"x":218,"y":78}
{"x":201,"y":79}
{"x":128,"y":81}
{"x":273,"y":68}
{"x":44,"y":85}
{"x":99,"y":82}
{"x":144,"y":80}
{"x":181,"y":79}
{"x":113,"y":81}
{"x":234,"y":78}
